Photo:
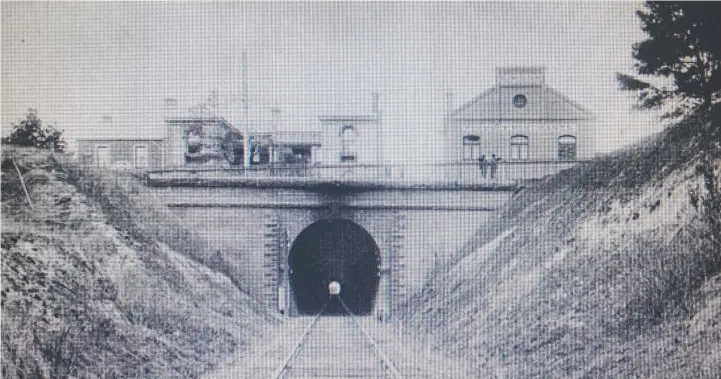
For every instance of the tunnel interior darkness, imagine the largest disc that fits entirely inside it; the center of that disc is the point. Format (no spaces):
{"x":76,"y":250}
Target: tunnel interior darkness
{"x":334,"y":250}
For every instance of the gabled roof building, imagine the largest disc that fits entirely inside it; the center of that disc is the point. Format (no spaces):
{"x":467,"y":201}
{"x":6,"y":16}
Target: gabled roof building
{"x":530,"y":128}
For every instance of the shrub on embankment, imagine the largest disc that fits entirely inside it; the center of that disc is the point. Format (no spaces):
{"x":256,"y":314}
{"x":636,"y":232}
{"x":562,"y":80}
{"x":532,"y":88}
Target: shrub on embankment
{"x":132,"y":208}
{"x":88,"y":291}
{"x":607,"y":269}
{"x":129,"y":208}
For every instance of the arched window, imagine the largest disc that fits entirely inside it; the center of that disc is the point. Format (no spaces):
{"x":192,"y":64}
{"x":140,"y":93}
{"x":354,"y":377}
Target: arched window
{"x":519,"y":147}
{"x":349,"y":140}
{"x":471,"y":147}
{"x":567,"y":147}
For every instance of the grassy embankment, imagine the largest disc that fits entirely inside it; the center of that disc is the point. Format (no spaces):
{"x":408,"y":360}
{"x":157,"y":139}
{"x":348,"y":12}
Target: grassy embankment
{"x":97,"y":284}
{"x":608,"y":269}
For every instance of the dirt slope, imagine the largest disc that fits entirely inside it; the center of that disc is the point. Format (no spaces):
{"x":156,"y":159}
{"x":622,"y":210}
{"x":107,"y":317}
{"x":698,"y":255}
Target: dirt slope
{"x":84,"y":297}
{"x":610,"y":269}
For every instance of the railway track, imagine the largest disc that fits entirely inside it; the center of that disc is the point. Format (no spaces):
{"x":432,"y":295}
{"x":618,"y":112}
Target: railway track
{"x":336,"y":347}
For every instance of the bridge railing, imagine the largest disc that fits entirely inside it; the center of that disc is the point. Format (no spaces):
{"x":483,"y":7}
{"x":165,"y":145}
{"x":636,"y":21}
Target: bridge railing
{"x":507,"y":172}
{"x":511,"y":170}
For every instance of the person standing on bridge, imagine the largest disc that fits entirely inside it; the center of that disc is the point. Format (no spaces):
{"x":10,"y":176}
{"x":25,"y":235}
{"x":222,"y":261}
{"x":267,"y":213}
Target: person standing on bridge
{"x":493,"y":163}
{"x":482,"y":165}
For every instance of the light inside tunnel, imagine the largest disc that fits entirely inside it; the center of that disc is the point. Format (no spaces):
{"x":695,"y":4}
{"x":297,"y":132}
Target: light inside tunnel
{"x":334,"y":250}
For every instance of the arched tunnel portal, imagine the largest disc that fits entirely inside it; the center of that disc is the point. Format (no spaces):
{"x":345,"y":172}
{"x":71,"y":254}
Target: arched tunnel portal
{"x":334,"y":250}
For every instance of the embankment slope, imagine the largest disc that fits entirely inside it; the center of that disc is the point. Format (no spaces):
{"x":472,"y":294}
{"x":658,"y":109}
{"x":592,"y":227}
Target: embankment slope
{"x":86,"y":294}
{"x":610,"y":269}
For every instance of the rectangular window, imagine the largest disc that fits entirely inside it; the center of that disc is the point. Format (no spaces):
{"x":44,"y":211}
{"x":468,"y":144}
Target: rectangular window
{"x":519,"y":148}
{"x":519,"y":152}
{"x":471,"y":152}
{"x":471,"y":147}
{"x":102,"y":156}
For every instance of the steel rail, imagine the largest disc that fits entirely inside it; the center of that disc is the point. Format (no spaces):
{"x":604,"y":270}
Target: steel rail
{"x":376,"y":349}
{"x":279,"y":372}
{"x":387,"y":364}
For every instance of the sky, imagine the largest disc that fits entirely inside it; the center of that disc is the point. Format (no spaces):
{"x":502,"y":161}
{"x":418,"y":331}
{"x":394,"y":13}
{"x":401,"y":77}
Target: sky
{"x":78,"y":62}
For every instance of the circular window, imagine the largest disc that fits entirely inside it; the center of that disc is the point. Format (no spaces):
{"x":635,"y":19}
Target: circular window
{"x":519,"y":101}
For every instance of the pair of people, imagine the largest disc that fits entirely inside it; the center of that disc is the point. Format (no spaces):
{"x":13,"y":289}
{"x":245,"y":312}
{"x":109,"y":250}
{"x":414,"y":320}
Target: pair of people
{"x":492,"y":163}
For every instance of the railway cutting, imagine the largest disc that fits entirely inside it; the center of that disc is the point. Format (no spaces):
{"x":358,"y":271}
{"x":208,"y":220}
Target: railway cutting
{"x":336,"y":346}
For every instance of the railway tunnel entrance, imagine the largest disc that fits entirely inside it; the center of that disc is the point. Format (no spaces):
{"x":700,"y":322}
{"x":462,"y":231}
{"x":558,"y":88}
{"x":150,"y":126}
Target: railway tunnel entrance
{"x":334,"y":250}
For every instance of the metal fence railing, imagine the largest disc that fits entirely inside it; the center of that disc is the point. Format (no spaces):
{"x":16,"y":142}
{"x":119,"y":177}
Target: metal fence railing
{"x":433,"y":173}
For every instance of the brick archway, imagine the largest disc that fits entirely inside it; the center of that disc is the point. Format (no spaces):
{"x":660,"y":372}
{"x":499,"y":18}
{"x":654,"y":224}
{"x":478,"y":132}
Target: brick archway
{"x":334,"y":250}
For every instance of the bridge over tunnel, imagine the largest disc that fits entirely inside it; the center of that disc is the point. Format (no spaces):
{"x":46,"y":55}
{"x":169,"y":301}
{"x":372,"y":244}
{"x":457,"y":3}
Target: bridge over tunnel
{"x":283,"y":246}
{"x":337,"y":250}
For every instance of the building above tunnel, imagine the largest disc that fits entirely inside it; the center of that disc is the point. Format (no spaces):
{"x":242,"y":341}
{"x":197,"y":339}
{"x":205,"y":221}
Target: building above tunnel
{"x":351,"y":139}
{"x":521,"y":120}
{"x":121,"y":153}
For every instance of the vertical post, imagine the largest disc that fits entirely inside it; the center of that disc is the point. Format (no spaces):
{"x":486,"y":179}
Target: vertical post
{"x":275,"y":116}
{"x":246,"y":117}
{"x":451,"y":145}
{"x":174,"y":144}
{"x":379,"y":133}
{"x":170,"y":147}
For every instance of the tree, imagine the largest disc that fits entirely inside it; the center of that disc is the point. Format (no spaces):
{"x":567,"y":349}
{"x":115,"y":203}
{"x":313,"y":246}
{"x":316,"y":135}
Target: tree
{"x":684,"y":46}
{"x":30,"y":132}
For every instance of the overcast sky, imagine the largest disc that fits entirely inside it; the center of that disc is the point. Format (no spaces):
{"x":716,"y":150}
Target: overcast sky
{"x":78,"y":62}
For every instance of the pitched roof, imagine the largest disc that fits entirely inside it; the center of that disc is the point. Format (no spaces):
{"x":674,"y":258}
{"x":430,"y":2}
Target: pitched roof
{"x":559,"y":104}
{"x":486,"y":107}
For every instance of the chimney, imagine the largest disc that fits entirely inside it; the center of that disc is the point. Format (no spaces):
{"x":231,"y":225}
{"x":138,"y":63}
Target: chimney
{"x":275,"y":118}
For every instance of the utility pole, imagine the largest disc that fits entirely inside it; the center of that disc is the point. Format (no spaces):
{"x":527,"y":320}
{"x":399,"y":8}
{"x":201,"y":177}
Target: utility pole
{"x":450,"y":145}
{"x":275,"y":121}
{"x":379,"y":134}
{"x":246,"y":117}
